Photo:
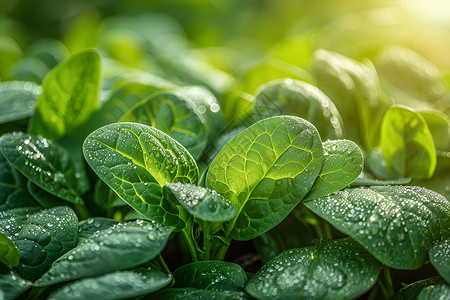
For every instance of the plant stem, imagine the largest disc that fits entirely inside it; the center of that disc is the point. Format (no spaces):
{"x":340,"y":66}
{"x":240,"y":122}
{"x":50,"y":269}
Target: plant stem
{"x":222,"y":250}
{"x":190,"y":243}
{"x":206,"y":241}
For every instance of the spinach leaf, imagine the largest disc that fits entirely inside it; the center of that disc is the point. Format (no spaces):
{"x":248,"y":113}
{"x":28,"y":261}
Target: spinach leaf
{"x":17,"y":100}
{"x":69,"y":96}
{"x":440,"y":258}
{"x":407,"y":144}
{"x":9,"y":255}
{"x":440,"y":290}
{"x":41,"y":237}
{"x":396,"y":224}
{"x":411,"y":291}
{"x":338,"y":269}
{"x":119,"y":247}
{"x":297,"y":98}
{"x":174,"y":114}
{"x":116,"y":285}
{"x":211,"y":275}
{"x":203,"y":203}
{"x":11,"y":285}
{"x":92,"y":225}
{"x":45,"y":164}
{"x":342,"y":164}
{"x":13,"y":187}
{"x":136,"y":161}
{"x":266,"y":170}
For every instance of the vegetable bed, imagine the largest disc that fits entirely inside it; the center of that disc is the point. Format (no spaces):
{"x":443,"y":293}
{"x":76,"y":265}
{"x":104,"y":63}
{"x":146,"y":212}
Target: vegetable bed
{"x":174,"y":156}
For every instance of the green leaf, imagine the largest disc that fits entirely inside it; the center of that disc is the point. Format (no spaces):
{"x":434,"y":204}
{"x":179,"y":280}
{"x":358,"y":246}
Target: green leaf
{"x":92,"y":225}
{"x":45,"y":199}
{"x":211,"y":275}
{"x":9,"y":254}
{"x":439,"y":291}
{"x":355,"y":90}
{"x":440,"y":258}
{"x":439,"y":125}
{"x":203,"y":203}
{"x":339,"y":269}
{"x":297,"y":98}
{"x":17,"y":100}
{"x":13,"y":187}
{"x":11,"y":285}
{"x":117,"y":285}
{"x":136,"y":161}
{"x":174,"y":114}
{"x":266,"y":170}
{"x":192,"y":293}
{"x":342,"y":163}
{"x":121,"y":246}
{"x":44,"y":163}
{"x":369,"y":182}
{"x":411,"y":291}
{"x":396,"y":224}
{"x":41,"y":237}
{"x":407,"y":144}
{"x":69,"y":96}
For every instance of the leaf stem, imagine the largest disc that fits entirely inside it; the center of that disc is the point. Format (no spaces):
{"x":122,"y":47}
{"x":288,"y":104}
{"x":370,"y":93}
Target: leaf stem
{"x":190,"y":243}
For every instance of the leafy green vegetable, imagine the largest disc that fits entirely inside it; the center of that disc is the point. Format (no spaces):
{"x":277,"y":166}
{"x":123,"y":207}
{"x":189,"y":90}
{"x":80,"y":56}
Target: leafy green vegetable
{"x":11,"y":284}
{"x":439,"y":291}
{"x":116,"y":285}
{"x":265,"y":171}
{"x":342,"y":164}
{"x":45,"y":164}
{"x":69,"y":96}
{"x":292,"y":97}
{"x":203,"y":203}
{"x":396,"y":224}
{"x":411,"y":291}
{"x":136,"y":161}
{"x":340,"y":269}
{"x":119,"y":247}
{"x":17,"y":100}
{"x":9,"y":255}
{"x":211,"y":275}
{"x":41,"y":237}
{"x":440,"y":258}
{"x":407,"y":144}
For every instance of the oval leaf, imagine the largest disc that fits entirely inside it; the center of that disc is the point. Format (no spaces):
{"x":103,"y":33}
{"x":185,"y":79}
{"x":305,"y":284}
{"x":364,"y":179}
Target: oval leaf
{"x":440,"y":258}
{"x":203,"y":203}
{"x":175,"y":115}
{"x":17,"y":100}
{"x":407,"y":144}
{"x":297,"y":98}
{"x":121,"y":246}
{"x":9,"y":255}
{"x":69,"y":96}
{"x":44,"y":163}
{"x":342,"y":164}
{"x":41,"y":237}
{"x":136,"y":161}
{"x":117,"y":285}
{"x":211,"y":275}
{"x":397,"y":224}
{"x":266,"y":170}
{"x":339,"y":269}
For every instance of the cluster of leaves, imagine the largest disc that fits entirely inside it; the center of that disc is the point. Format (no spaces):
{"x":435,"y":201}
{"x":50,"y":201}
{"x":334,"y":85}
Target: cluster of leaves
{"x":338,"y":176}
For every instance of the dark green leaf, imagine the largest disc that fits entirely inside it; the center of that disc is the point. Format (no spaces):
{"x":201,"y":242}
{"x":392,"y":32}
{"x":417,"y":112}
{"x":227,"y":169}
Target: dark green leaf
{"x":9,"y":255}
{"x":192,"y":293}
{"x":174,"y":114}
{"x":121,"y":246}
{"x":136,"y":161}
{"x":41,"y":237}
{"x":339,"y":269}
{"x":44,"y":163}
{"x":407,"y":144}
{"x":342,"y":164}
{"x":266,"y":170}
{"x":440,"y":258}
{"x":438,"y":291}
{"x":411,"y":291}
{"x":203,"y":203}
{"x":45,"y":199}
{"x":105,"y":197}
{"x":211,"y":275}
{"x":297,"y":98}
{"x":397,"y":224}
{"x":13,"y":187}
{"x":92,"y":225}
{"x":11,"y":285}
{"x":69,"y":96}
{"x":117,"y":285}
{"x":17,"y":100}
